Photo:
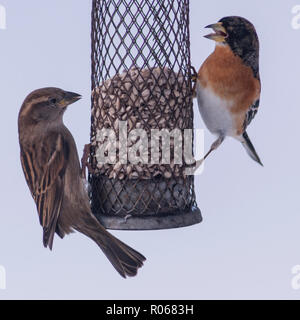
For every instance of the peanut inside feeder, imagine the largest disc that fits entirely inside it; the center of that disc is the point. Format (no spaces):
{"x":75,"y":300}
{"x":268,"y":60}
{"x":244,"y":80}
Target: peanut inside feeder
{"x":146,"y":99}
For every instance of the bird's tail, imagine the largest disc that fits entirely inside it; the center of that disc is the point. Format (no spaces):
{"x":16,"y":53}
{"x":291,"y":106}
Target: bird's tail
{"x":125,"y":260}
{"x":250,"y":148}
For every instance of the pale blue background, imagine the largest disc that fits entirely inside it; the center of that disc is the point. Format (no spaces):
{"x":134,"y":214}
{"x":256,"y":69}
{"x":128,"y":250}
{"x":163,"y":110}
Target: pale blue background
{"x":250,"y":237}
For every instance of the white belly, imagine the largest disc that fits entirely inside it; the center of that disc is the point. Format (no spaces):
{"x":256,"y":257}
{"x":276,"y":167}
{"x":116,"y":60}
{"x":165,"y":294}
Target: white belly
{"x":215,"y":112}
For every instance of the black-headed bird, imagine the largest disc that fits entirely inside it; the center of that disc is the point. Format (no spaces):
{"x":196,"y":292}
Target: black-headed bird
{"x":228,"y":83}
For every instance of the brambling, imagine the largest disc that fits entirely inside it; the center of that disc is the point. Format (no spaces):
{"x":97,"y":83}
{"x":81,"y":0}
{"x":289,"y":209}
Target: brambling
{"x":228,"y":83}
{"x":52,"y":170}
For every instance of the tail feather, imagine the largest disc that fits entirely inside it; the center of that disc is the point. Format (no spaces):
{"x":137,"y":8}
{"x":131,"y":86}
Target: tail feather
{"x":48,"y":237}
{"x":48,"y":234}
{"x":125,"y":259}
{"x":250,"y":148}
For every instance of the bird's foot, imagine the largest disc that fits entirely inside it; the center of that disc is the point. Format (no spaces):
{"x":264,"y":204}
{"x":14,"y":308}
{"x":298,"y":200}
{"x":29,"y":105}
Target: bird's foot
{"x":191,"y":169}
{"x":85,"y":161}
{"x":194,"y":80}
{"x":194,"y":74}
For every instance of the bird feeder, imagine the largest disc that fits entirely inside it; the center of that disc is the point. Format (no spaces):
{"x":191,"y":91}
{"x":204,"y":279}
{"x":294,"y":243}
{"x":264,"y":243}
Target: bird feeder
{"x":141,"y":86}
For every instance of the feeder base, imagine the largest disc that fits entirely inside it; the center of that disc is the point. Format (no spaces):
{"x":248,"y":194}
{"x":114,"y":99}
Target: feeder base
{"x":179,"y":220}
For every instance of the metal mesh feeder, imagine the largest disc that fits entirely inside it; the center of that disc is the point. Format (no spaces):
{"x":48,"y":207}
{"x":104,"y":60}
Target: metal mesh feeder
{"x":141,"y":92}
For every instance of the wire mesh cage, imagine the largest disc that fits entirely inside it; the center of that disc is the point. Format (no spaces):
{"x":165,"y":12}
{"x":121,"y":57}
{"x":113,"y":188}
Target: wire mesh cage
{"x":141,"y":87}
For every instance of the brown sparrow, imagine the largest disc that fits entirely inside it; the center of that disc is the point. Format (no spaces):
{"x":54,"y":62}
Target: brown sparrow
{"x":52,"y":170}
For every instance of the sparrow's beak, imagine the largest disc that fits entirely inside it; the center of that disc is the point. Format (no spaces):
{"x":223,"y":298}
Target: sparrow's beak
{"x":69,"y":98}
{"x":220,"y":34}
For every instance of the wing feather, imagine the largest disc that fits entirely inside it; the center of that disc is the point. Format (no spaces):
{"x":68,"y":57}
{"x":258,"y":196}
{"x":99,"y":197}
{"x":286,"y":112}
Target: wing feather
{"x":251,"y":113}
{"x":44,"y":172}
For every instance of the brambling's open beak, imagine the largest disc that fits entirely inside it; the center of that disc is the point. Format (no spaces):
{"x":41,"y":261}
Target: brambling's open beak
{"x":220,"y":34}
{"x":69,"y":98}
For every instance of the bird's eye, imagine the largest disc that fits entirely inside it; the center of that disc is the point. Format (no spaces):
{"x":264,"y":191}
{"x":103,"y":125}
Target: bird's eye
{"x":53,"y":101}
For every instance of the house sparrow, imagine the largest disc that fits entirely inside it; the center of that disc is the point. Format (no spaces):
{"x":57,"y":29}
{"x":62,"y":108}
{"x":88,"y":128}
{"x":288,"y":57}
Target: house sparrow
{"x":228,"y":83}
{"x":52,"y":170}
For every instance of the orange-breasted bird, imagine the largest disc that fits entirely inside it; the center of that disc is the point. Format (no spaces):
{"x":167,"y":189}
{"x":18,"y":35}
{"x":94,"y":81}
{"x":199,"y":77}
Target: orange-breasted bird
{"x":228,"y":83}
